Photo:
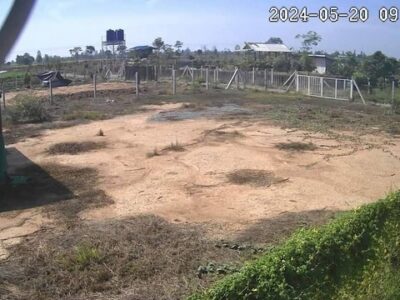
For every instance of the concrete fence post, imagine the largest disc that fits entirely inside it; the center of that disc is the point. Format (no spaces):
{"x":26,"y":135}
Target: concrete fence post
{"x":207,"y":79}
{"x":322,"y":86}
{"x":173,"y":82}
{"x":253,"y":79}
{"x":265,"y":78}
{"x":309,"y":85}
{"x":351,"y":89}
{"x":137,"y":84}
{"x":272,"y":77}
{"x":3,"y":95}
{"x":94,"y":85}
{"x":393,"y":94}
{"x":237,"y":79}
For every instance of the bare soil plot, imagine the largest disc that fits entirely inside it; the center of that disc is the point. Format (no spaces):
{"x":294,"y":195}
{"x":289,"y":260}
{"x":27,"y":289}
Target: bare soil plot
{"x":228,"y":174}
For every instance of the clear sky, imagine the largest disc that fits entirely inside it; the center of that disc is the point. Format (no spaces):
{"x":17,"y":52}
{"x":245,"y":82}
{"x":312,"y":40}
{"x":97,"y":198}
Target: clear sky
{"x":58,"y":25}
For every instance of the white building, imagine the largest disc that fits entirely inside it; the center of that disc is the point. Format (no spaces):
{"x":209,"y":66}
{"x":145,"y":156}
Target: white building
{"x":265,"y":50}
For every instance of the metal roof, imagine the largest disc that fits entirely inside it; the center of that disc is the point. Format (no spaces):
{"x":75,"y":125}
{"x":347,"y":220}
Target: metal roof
{"x":264,"y":47}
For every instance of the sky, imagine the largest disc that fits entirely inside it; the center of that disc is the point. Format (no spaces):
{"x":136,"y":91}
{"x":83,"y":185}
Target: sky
{"x":58,"y":25}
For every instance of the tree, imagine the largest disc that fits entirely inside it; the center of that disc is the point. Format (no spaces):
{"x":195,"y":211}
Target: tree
{"x":237,"y":47}
{"x":178,"y":46}
{"x":121,"y":49}
{"x":46,"y":59}
{"x":90,"y":50}
{"x":75,"y":52}
{"x":39,"y":58}
{"x":158,"y":44}
{"x":25,"y":59}
{"x":275,"y":40}
{"x":310,"y":39}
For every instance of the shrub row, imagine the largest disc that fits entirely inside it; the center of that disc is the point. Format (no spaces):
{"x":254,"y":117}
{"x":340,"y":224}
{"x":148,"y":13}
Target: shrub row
{"x":356,"y":256}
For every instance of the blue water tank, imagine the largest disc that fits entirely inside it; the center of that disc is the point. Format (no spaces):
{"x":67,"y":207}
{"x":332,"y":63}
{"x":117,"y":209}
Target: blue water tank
{"x":119,"y":33}
{"x":111,"y":36}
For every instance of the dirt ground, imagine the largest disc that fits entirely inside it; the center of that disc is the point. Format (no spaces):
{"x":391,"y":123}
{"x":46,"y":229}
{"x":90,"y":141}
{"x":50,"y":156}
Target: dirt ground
{"x":239,"y":168}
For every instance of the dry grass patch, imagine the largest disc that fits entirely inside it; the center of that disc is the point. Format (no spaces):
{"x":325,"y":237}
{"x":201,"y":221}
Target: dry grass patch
{"x":143,"y":257}
{"x":177,"y":147}
{"x":74,"y":148}
{"x":257,"y":178}
{"x":296,"y":146}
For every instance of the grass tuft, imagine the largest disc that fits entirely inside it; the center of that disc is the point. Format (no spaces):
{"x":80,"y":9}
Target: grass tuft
{"x":296,"y":146}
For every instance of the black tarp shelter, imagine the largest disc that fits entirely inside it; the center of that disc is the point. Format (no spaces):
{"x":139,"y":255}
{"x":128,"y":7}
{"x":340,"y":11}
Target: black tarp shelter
{"x":55,"y":77}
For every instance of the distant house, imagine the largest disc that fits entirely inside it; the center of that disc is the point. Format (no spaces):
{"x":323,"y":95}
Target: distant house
{"x":142,"y":51}
{"x":321,"y":62}
{"x":263,"y":50}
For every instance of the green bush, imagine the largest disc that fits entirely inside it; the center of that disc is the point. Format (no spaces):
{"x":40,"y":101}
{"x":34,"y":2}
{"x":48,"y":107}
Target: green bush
{"x":27,"y":109}
{"x":356,"y":256}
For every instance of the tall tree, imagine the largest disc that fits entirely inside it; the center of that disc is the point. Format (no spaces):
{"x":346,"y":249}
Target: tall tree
{"x":25,"y":59}
{"x":309,"y":40}
{"x":39,"y":58}
{"x":158,"y":44}
{"x":275,"y":40}
{"x":178,"y":46}
{"x":90,"y":50}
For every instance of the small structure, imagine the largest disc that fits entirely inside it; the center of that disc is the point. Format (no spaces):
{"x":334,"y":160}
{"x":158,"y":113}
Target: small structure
{"x":55,"y":77}
{"x":321,"y":62}
{"x":263,"y":50}
{"x":142,"y":51}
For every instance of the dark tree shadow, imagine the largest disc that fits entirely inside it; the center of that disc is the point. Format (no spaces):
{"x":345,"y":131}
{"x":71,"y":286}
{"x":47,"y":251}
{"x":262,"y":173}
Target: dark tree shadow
{"x":33,"y":185}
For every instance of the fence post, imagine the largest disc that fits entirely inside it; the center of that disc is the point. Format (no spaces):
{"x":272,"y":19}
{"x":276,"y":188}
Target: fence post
{"x":237,"y":78}
{"x":253,"y":79}
{"x":51,"y":91}
{"x":272,"y":77}
{"x":207,"y":79}
{"x":265,"y":78}
{"x":147,"y":73}
{"x":94,"y":85}
{"x":309,"y":85}
{"x":192,"y":76}
{"x":137,"y":83}
{"x":217,"y":81}
{"x":351,"y":89}
{"x":322,"y":86}
{"x":369,"y":87}
{"x":297,"y":83}
{"x":3,"y":95}
{"x":173,"y":82}
{"x":393,"y":86}
{"x":16,"y":83}
{"x":201,"y":72}
{"x":336,"y":89}
{"x":155,"y":74}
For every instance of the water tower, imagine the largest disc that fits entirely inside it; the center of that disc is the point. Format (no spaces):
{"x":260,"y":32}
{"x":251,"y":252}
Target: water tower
{"x":113,"y":38}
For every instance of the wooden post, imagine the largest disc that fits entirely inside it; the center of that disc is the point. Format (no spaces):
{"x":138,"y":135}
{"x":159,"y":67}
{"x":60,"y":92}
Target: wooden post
{"x":94,"y":85}
{"x":51,"y":91}
{"x":265,"y":78}
{"x":173,"y":82}
{"x":207,"y":79}
{"x":137,"y":83}
{"x":253,"y":79}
